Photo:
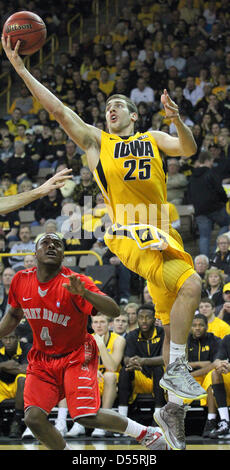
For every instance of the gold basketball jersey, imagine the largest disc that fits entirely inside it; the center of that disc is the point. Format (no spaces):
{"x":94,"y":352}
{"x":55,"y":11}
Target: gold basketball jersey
{"x":132,"y":180}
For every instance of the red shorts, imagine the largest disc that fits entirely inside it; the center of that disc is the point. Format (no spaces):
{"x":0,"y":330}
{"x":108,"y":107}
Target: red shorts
{"x":74,"y":376}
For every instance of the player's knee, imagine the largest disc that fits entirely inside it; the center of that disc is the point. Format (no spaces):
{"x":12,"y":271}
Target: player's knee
{"x":110,"y":378}
{"x":34,"y":418}
{"x":192,"y":287}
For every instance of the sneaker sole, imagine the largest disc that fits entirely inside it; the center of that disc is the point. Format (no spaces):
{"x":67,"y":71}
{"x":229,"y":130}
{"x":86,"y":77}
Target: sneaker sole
{"x":165,"y":386}
{"x":161,"y":423}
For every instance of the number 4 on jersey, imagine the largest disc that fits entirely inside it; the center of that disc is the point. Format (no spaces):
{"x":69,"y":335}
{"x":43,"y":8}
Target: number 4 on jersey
{"x":45,"y":336}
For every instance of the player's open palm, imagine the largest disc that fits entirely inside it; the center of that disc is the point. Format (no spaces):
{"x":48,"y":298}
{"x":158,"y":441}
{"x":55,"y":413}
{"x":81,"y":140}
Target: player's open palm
{"x":170,"y":107}
{"x":75,"y":285}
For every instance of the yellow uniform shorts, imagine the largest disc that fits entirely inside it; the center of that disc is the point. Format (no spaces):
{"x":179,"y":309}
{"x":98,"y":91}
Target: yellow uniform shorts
{"x":157,"y":257}
{"x":8,"y":391}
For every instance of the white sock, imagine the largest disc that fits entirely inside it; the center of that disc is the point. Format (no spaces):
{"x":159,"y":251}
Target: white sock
{"x":211,"y":416}
{"x":223,"y":412}
{"x":123,"y":410}
{"x":134,"y":429}
{"x":67,"y":447}
{"x":62,"y":414}
{"x":174,"y":399}
{"x":176,"y":350}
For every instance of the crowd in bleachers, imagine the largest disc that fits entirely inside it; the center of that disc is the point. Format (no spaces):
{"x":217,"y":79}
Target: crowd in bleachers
{"x":180,"y":45}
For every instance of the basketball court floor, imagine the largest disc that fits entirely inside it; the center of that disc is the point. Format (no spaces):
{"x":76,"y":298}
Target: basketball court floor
{"x":123,"y":444}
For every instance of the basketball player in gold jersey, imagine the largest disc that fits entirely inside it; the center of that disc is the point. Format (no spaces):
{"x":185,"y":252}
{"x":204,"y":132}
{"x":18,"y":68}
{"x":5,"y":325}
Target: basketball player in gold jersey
{"x":129,"y":171}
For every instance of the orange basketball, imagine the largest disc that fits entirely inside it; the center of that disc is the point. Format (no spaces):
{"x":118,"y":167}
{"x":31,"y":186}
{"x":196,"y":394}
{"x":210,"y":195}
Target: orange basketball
{"x":27,"y":27}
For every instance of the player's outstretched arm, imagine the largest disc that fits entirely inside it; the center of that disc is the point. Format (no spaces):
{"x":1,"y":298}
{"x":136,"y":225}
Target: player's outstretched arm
{"x":86,"y":136}
{"x":13,"y":203}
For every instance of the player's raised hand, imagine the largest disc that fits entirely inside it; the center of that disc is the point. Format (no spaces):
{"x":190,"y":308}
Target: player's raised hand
{"x":13,"y":54}
{"x":55,"y":182}
{"x":75,"y":286}
{"x":170,"y":107}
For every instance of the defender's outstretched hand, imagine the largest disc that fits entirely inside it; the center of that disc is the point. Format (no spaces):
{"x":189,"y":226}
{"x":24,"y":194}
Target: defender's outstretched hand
{"x":55,"y":182}
{"x":171,"y":108}
{"x":75,"y":286}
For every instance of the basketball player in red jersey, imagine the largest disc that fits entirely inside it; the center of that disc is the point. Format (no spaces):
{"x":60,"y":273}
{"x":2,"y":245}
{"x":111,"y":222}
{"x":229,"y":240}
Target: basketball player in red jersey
{"x":64,"y":358}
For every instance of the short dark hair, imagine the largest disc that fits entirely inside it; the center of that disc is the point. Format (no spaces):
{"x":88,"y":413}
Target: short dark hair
{"x":130,"y":104}
{"x":204,"y":156}
{"x":147,"y":307}
{"x":206,"y":300}
{"x":201,"y":317}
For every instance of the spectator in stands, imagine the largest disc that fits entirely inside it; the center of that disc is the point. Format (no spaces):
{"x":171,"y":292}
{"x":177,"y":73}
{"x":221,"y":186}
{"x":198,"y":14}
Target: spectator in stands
{"x":144,"y":117}
{"x":24,"y":245}
{"x":86,"y":191}
{"x":202,"y":348}
{"x":189,"y":13}
{"x":43,"y":118}
{"x":7,"y":277}
{"x":94,"y":218}
{"x":9,"y":225}
{"x":142,"y":92}
{"x":13,"y":365}
{"x":120,"y":324}
{"x":111,"y":350}
{"x":209,"y":199}
{"x":34,"y":146}
{"x":16,"y":119}
{"x":27,"y":185}
{"x":176,"y":182}
{"x":185,"y":105}
{"x":8,"y":187}
{"x":7,"y":148}
{"x":48,"y":207}
{"x":105,"y":83}
{"x":223,"y":310}
{"x":3,"y":249}
{"x":220,"y":381}
{"x":176,"y":60}
{"x":213,"y":284}
{"x":73,"y":152}
{"x":71,"y":227}
{"x":123,"y":275}
{"x":21,"y":134}
{"x":143,"y":361}
{"x":50,"y":226}
{"x":20,"y":165}
{"x":193,"y":92}
{"x":215,"y":325}
{"x":29,"y":261}
{"x":201,"y":264}
{"x":58,"y":146}
{"x":25,"y":102}
{"x":221,"y":258}
{"x":147,"y":299}
{"x":131,"y":310}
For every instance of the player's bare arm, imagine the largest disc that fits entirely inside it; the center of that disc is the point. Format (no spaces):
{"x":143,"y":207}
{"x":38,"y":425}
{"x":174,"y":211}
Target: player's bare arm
{"x":86,"y":136}
{"x":13,"y":203}
{"x":10,"y":321}
{"x":111,"y":360}
{"x":184,"y":144}
{"x":101,"y":303}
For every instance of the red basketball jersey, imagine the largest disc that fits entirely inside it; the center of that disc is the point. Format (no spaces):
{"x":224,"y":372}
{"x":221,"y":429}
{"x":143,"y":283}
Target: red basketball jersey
{"x":58,"y":319}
